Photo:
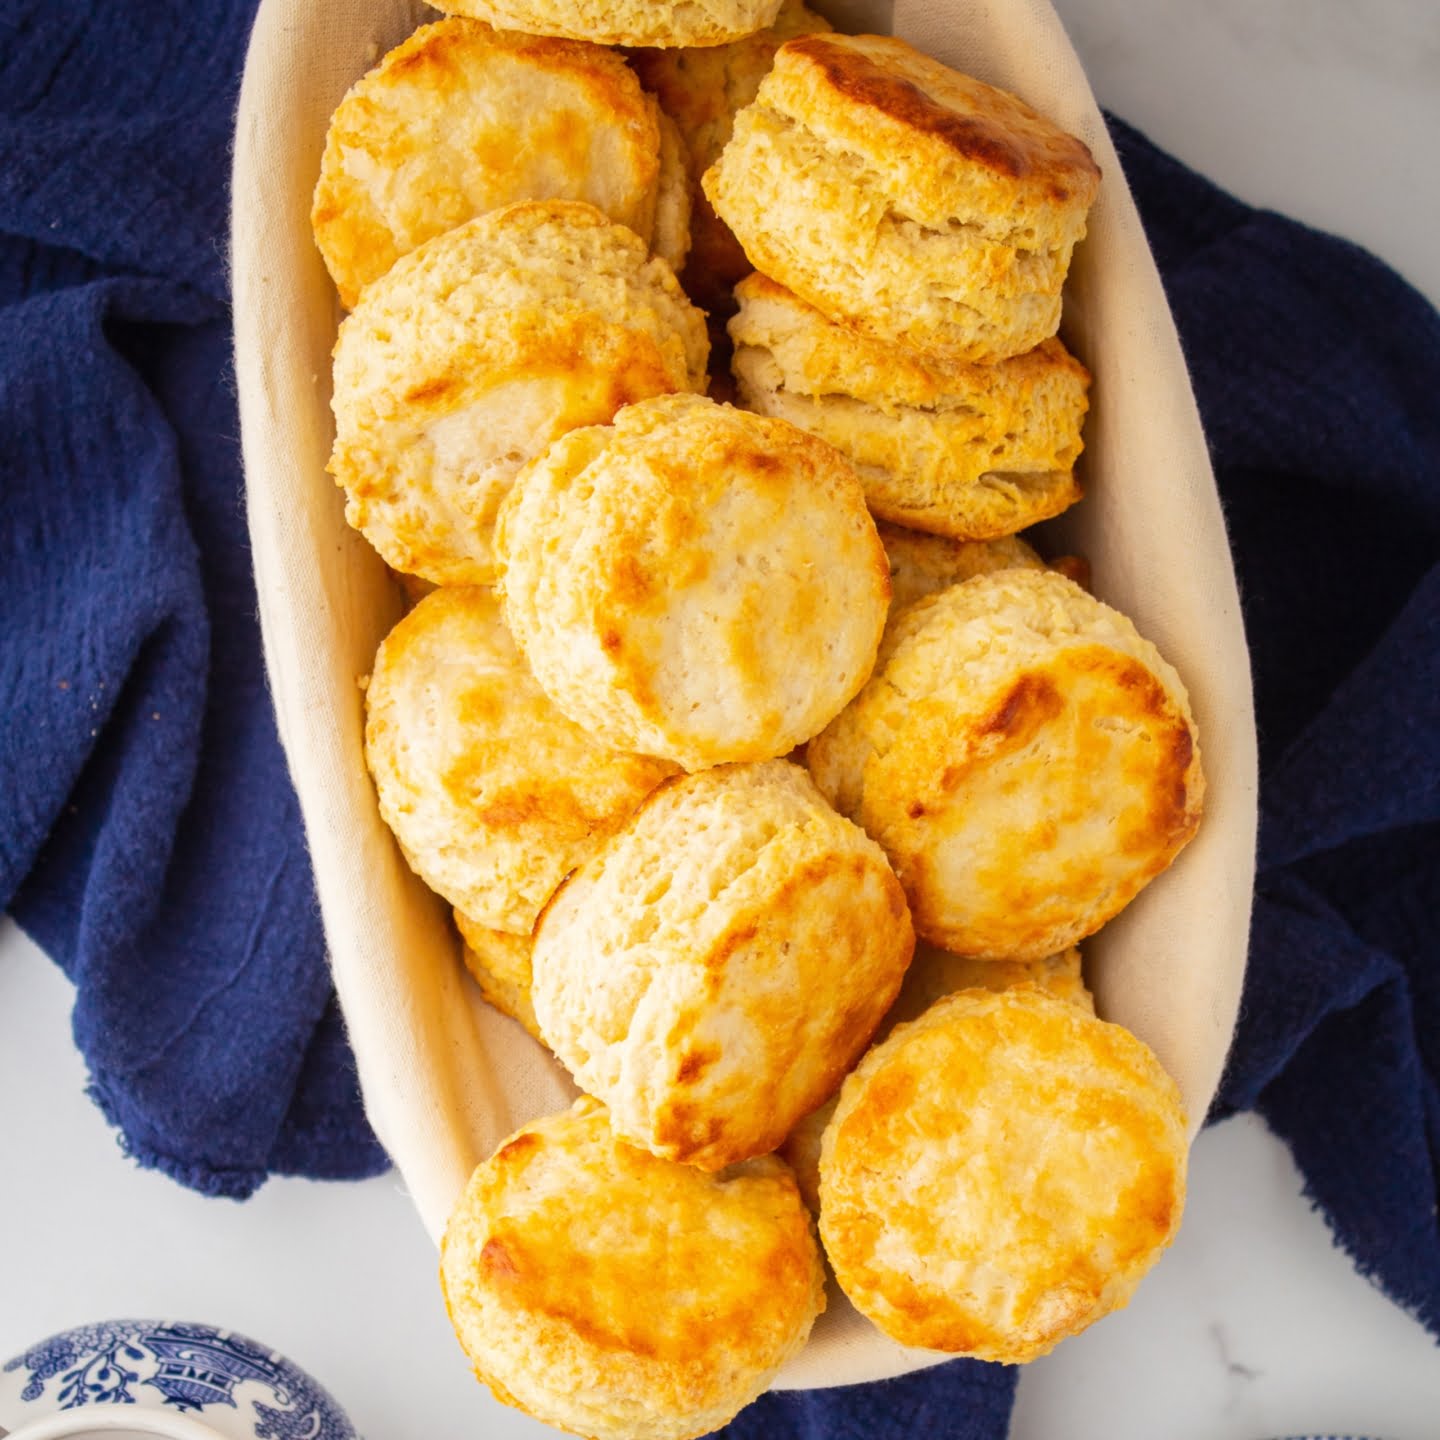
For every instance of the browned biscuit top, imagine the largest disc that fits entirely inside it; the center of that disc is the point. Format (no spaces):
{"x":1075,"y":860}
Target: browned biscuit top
{"x":714,"y":970}
{"x":1000,"y":1173}
{"x":620,"y":1296}
{"x":428,"y":139}
{"x":890,"y":82}
{"x":1026,"y":758}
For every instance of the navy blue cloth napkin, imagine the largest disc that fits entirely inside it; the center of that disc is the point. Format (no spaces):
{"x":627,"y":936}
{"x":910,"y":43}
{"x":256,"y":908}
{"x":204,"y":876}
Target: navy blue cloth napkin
{"x":149,"y":837}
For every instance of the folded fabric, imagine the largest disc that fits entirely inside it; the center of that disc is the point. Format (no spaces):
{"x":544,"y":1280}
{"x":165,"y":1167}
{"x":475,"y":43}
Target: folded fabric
{"x":149,"y":838}
{"x":1317,"y":369}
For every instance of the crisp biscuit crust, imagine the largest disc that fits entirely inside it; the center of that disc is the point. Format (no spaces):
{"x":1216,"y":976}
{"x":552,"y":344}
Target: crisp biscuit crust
{"x":427,"y":140}
{"x":950,"y":137}
{"x":999,"y":1174}
{"x":717,"y":967}
{"x":971,"y":451}
{"x":492,"y":793}
{"x":694,"y":581}
{"x":1027,"y":760}
{"x":619,"y":1296}
{"x":903,"y":199}
{"x":932,"y":975}
{"x":499,"y":963}
{"x":478,"y":349}
{"x":701,"y":90}
{"x":922,"y":564}
{"x":629,"y":22}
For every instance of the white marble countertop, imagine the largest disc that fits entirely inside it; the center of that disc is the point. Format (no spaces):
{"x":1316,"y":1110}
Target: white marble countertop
{"x":1253,"y":1325}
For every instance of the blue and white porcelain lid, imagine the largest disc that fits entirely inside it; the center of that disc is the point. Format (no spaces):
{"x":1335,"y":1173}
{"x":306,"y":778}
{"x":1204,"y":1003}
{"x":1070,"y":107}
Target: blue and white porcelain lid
{"x":163,"y":1378}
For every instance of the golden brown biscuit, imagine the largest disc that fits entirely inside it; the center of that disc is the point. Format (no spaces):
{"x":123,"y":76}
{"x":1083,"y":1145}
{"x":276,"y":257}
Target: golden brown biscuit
{"x":906,"y":200}
{"x":714,"y":970}
{"x":970,"y":451}
{"x":922,"y":564}
{"x":475,"y":351}
{"x":694,"y":581}
{"x":628,"y":22}
{"x":1026,"y":759}
{"x":932,"y":975}
{"x":428,"y":139}
{"x":670,"y":236}
{"x":499,"y":963}
{"x":701,"y":90}
{"x":935,"y":973}
{"x":493,"y":794}
{"x":999,"y":1174}
{"x":800,"y":1150}
{"x":620,"y":1296}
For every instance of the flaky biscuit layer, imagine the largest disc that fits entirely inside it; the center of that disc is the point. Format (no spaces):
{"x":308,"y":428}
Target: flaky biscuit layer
{"x":499,"y":963}
{"x":922,"y":564}
{"x":702,"y":90}
{"x":971,"y":451}
{"x":903,"y":199}
{"x":670,"y":232}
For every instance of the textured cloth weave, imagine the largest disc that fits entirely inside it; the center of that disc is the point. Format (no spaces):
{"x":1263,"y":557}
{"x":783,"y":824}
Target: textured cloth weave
{"x":149,"y":838}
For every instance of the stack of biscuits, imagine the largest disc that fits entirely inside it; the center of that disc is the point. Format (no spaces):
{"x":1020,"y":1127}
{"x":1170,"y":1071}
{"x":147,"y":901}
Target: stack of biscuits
{"x":772,"y":776}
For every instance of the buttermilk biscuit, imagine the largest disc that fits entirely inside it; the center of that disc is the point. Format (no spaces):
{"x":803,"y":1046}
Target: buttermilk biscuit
{"x":904,"y":199}
{"x":999,"y":1174}
{"x":932,"y":975}
{"x":475,"y":351}
{"x":499,"y":963}
{"x":1027,"y":760}
{"x":922,"y":564}
{"x":714,"y":970}
{"x":694,"y":581}
{"x":701,"y":90}
{"x":492,"y":793}
{"x":935,"y":973}
{"x":630,"y":22}
{"x":670,"y":234}
{"x":959,"y":449}
{"x":623,"y":1297}
{"x":429,"y":139}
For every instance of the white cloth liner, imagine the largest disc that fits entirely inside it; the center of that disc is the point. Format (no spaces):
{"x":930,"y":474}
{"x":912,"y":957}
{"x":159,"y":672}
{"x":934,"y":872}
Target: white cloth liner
{"x":444,"y":1077}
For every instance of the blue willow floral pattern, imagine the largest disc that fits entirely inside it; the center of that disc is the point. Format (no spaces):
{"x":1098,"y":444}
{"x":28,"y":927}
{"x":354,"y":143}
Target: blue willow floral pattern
{"x":100,"y":1380}
{"x":192,"y":1366}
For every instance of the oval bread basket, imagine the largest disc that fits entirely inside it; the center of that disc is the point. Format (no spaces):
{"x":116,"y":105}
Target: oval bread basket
{"x":444,"y":1077}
